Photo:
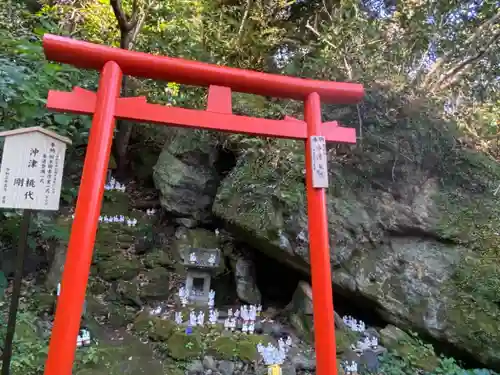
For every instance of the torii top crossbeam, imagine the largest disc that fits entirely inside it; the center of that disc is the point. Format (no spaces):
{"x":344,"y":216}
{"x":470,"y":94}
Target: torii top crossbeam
{"x":138,"y":64}
{"x":106,"y":106}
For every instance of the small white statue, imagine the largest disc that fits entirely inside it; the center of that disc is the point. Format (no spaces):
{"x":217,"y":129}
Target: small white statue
{"x":58,"y":289}
{"x":374,"y":343}
{"x":121,"y":219}
{"x":351,"y":368}
{"x":361,"y":326}
{"x":363,"y":345}
{"x":237,"y":313}
{"x":192,"y":258}
{"x":211,"y":299}
{"x":233,"y":324}
{"x":271,"y":355}
{"x":129,"y":223}
{"x":201,"y":318}
{"x":244,"y":327}
{"x":156,"y":311}
{"x":182,"y":292}
{"x":251,"y":327}
{"x":211,"y":259}
{"x":230,"y":313}
{"x":178,"y":317}
{"x":244,"y":313}
{"x":213,"y":317}
{"x":259,"y":310}
{"x":85,"y":337}
{"x":100,"y":219}
{"x":193,"y":319}
{"x":227,"y":324}
{"x":281,"y":345}
{"x":252,"y":314}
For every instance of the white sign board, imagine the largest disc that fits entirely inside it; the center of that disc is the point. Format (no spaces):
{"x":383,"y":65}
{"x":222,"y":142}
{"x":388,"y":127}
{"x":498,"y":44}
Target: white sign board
{"x":31,"y":170}
{"x":319,"y":161}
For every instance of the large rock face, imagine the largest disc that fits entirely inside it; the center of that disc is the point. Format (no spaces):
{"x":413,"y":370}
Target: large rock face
{"x":394,"y":222}
{"x":186,"y":176}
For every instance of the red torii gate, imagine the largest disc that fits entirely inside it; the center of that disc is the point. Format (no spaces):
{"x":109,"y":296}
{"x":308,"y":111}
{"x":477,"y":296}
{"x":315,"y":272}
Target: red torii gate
{"x":107,"y":106}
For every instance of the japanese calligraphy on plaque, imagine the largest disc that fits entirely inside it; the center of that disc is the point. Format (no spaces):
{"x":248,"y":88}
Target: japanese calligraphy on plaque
{"x":319,"y":161}
{"x":31,"y":170}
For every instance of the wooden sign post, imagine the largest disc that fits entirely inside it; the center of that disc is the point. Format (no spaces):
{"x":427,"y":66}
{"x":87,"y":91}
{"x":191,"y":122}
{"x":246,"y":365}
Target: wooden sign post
{"x":106,"y":106}
{"x":30,"y":178}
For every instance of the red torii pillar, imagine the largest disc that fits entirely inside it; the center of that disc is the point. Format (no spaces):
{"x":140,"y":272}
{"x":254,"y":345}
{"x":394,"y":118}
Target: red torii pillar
{"x":106,"y":106}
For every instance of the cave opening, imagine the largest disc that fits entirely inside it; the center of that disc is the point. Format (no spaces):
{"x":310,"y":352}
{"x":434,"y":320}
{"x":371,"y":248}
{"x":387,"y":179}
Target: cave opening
{"x":225,"y":162}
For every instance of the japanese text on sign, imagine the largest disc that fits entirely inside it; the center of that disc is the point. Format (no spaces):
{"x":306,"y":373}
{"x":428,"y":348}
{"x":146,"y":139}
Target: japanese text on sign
{"x":319,"y":162}
{"x":31,"y":172}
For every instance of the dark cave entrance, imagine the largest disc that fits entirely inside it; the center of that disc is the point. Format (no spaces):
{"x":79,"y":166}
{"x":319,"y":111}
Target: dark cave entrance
{"x":276,"y":281}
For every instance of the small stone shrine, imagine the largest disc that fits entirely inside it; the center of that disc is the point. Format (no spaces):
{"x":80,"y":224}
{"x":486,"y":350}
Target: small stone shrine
{"x":200,"y":265}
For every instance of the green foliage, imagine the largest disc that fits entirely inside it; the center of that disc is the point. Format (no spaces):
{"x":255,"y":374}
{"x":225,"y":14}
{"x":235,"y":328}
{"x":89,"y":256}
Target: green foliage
{"x":393,"y":364}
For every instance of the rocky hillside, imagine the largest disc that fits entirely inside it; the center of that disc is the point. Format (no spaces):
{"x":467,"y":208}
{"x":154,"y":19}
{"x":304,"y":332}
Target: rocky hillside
{"x":408,"y":211}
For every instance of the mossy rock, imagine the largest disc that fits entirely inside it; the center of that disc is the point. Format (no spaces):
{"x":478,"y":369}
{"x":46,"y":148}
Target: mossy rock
{"x":181,"y":346}
{"x":142,"y":322}
{"x":304,"y":325}
{"x":126,"y":359}
{"x":237,"y":347}
{"x":129,"y":292}
{"x":115,"y":203}
{"x":157,"y":286}
{"x":195,"y":238}
{"x":158,"y":258}
{"x":247,"y":347}
{"x":44,"y":302}
{"x":344,"y":339}
{"x":119,"y":268}
{"x":410,"y":348}
{"x":161,"y":329}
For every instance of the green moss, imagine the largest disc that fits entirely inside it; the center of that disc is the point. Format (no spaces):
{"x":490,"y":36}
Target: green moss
{"x":156,"y":287}
{"x":158,"y":258}
{"x":115,"y":203}
{"x":237,"y":347}
{"x":119,"y":267}
{"x":197,"y":238}
{"x":181,"y":346}
{"x":161,"y":329}
{"x":410,"y":348}
{"x":344,"y":339}
{"x":142,"y":322}
{"x":44,"y":302}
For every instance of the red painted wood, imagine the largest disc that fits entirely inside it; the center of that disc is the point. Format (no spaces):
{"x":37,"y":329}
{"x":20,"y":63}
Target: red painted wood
{"x":137,"y":109}
{"x":319,"y":252}
{"x":138,"y":64}
{"x":83,"y":231}
{"x":219,"y":99}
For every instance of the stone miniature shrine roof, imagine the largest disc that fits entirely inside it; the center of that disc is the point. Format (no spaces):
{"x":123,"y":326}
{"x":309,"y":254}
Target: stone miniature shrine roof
{"x":201,"y":258}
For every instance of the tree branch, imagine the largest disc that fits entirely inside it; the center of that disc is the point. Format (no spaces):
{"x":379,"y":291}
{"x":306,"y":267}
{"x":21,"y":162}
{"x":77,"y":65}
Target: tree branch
{"x":244,"y":20}
{"x":457,"y":71}
{"x":123,"y":22}
{"x":440,"y":62}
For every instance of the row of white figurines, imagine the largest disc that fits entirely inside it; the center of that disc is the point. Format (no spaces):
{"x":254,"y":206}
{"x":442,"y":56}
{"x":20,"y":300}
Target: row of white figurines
{"x":114,"y":185}
{"x":272,"y":355}
{"x":194,"y":259}
{"x":350,"y":368}
{"x":353,"y":324}
{"x":197,"y":319}
{"x":230,"y":323}
{"x":185,"y":294}
{"x":116,"y":219}
{"x":365,"y":344}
